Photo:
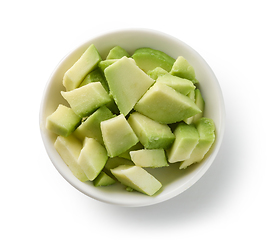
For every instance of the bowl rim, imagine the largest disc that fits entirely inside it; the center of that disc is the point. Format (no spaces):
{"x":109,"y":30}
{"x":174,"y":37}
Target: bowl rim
{"x":150,"y":201}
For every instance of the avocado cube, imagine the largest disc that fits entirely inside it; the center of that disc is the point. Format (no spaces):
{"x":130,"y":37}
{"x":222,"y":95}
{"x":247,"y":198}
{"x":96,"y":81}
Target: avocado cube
{"x":183,"y":69}
{"x":117,"y":52}
{"x":63,"y":121}
{"x":127,"y":83}
{"x":85,"y":100}
{"x":165,"y":105}
{"x":153,"y":158}
{"x":187,"y":138}
{"x":150,"y":133}
{"x":148,"y":59}
{"x":92,"y":158}
{"x":201,"y":105}
{"x":91,"y":126}
{"x":85,"y":64}
{"x":103,"y":180}
{"x":181,"y":85}
{"x":137,"y":178}
{"x":118,"y":136}
{"x":157,"y":72}
{"x":69,"y":149}
{"x":206,"y":130}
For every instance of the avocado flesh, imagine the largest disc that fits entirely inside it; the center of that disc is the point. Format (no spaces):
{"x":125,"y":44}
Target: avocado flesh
{"x":206,"y":130}
{"x":85,"y":64}
{"x":148,"y":59}
{"x":117,"y":52}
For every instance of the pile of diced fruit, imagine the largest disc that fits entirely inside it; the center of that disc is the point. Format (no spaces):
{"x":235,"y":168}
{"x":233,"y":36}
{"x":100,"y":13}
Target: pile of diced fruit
{"x":128,"y":113}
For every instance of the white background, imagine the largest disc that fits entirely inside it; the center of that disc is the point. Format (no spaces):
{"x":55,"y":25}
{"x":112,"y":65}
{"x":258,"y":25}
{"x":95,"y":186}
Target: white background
{"x":231,"y":201}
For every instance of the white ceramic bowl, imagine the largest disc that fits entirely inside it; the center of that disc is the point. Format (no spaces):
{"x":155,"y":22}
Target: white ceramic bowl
{"x":174,"y":181}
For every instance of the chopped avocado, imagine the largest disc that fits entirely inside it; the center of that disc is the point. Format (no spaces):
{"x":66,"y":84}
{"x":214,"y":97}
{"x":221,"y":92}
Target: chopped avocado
{"x":181,"y":85}
{"x":187,"y":138}
{"x":95,"y":76}
{"x":200,"y":103}
{"x":91,"y":126}
{"x":118,"y":136}
{"x":150,"y":133}
{"x":92,"y":158}
{"x":63,"y":121}
{"x":115,"y":162}
{"x":183,"y":69}
{"x":85,"y":64}
{"x":105,"y":63}
{"x":69,"y":149}
{"x":85,"y":100}
{"x":127,"y":83}
{"x":165,"y":105}
{"x":117,"y":52}
{"x":191,"y":95}
{"x":157,"y":72}
{"x":148,"y":59}
{"x":153,"y":158}
{"x":103,"y":180}
{"x":206,"y":130}
{"x":126,"y":154}
{"x":137,"y":178}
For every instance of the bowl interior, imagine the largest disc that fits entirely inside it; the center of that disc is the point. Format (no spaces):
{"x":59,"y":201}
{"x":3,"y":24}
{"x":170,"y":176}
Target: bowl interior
{"x":174,"y":181}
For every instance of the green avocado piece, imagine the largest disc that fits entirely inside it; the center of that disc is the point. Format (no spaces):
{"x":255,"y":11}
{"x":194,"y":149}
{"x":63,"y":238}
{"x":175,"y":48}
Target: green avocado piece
{"x":118,"y":136}
{"x":92,"y":158}
{"x":91,"y":126}
{"x":63,"y":121}
{"x":95,"y":76}
{"x":115,"y":162}
{"x":187,"y":138}
{"x":200,"y":103}
{"x":157,"y":72}
{"x":206,"y":130}
{"x":127,"y":83}
{"x":117,"y":52}
{"x":181,"y":85}
{"x":105,"y":63}
{"x":165,"y":105}
{"x":150,"y":133}
{"x":85,"y":100}
{"x":148,"y":59}
{"x":69,"y":149}
{"x":85,"y":64}
{"x":183,"y":69}
{"x":191,"y":95}
{"x":103,"y":180}
{"x":153,"y":158}
{"x":137,"y":178}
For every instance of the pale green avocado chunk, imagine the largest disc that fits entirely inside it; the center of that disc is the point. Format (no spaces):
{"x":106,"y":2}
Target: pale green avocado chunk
{"x":69,"y":149}
{"x":187,"y":138}
{"x":118,"y":136}
{"x":92,"y":158}
{"x":91,"y":126}
{"x":165,"y":105}
{"x":201,"y":105}
{"x":183,"y":69}
{"x":148,"y":59}
{"x":115,"y":162}
{"x":137,"y":178}
{"x":127,"y":83}
{"x":150,"y":133}
{"x":95,"y":76}
{"x":181,"y":85}
{"x":126,"y":154}
{"x":63,"y":121}
{"x":85,"y":64}
{"x":206,"y":130}
{"x":103,"y":180}
{"x":157,"y":72}
{"x":153,"y":158}
{"x":106,"y":63}
{"x":86,"y":99}
{"x":191,"y":95}
{"x":117,"y":52}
